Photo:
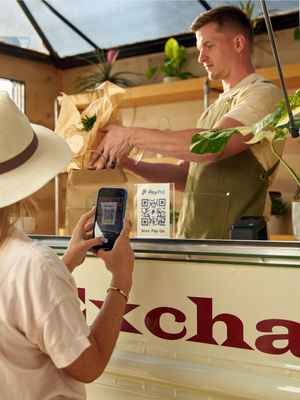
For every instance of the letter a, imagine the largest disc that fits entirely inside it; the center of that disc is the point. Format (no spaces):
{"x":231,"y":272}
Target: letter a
{"x":265,"y":343}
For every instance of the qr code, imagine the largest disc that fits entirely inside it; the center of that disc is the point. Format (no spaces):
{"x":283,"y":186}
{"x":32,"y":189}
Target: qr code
{"x":153,"y":212}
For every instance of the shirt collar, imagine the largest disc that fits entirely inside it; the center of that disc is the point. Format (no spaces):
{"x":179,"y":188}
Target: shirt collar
{"x":248,"y":80}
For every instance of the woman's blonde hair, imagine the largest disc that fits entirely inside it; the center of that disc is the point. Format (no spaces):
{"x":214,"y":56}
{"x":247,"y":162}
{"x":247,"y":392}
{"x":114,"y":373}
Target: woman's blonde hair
{"x":10,"y":214}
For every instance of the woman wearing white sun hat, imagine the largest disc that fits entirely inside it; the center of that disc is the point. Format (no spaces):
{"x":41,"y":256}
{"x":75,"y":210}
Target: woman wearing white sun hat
{"x":46,"y":348}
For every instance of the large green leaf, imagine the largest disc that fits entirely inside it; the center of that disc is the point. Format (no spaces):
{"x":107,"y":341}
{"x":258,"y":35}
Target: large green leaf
{"x":212,"y":141}
{"x":273,"y":127}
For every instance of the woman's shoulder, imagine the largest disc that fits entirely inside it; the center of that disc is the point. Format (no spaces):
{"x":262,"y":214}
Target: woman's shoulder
{"x":31,"y":254}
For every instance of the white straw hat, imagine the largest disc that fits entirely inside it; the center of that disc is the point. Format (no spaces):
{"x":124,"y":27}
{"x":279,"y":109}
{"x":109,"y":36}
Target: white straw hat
{"x":30,"y":155}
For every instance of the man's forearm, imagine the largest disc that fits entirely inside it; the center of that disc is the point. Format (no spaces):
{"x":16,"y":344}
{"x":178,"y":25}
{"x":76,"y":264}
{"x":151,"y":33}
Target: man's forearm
{"x":177,"y":143}
{"x":159,"y":172}
{"x":170,"y":143}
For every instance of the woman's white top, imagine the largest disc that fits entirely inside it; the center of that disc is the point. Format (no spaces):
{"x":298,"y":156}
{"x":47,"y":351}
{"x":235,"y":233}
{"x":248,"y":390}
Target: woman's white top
{"x":42,"y":329}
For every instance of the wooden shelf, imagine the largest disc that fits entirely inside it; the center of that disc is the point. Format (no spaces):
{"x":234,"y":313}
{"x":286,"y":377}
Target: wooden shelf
{"x":185,"y":90}
{"x":282,"y":237}
{"x":192,"y":89}
{"x":291,"y":74}
{"x":160,"y":93}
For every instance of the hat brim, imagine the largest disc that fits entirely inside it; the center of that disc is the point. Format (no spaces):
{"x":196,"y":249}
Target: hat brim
{"x":51,"y":157}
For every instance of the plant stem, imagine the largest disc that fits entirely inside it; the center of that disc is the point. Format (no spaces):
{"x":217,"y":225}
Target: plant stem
{"x":290,"y":169}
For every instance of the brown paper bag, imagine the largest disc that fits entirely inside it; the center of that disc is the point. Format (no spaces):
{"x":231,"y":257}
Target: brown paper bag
{"x":83,"y":184}
{"x":102,"y":103}
{"x":82,"y":187}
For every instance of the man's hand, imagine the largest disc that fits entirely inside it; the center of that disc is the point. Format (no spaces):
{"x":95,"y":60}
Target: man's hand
{"x":114,"y":146}
{"x":81,"y":241}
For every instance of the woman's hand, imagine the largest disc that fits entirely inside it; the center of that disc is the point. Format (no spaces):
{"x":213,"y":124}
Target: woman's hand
{"x":81,"y":241}
{"x":119,"y":261}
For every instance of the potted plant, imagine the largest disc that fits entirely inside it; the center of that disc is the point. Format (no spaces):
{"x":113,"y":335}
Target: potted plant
{"x":248,"y":8}
{"x":104,"y":72}
{"x":279,"y":221}
{"x":174,"y":61}
{"x":273,"y":127}
{"x":278,"y":206}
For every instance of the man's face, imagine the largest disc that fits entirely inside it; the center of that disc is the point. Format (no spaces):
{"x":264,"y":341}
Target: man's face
{"x":216,"y":51}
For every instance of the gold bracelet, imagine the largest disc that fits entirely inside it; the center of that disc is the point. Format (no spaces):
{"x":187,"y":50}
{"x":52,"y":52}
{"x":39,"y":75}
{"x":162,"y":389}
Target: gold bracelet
{"x":122,"y":293}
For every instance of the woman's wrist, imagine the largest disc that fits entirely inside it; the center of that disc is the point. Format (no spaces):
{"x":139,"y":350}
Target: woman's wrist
{"x":122,"y":284}
{"x":67,"y":261}
{"x":120,"y":292}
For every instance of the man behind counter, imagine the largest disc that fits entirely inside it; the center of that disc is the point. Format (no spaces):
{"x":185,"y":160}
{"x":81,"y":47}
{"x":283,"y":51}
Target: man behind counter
{"x":218,"y":188}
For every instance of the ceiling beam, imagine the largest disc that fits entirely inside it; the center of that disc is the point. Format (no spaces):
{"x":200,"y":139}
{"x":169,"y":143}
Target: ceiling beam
{"x":205,"y":4}
{"x":70,"y":25}
{"x":279,"y":22}
{"x":137,"y":49}
{"x":38,"y":30}
{"x":26,"y":54}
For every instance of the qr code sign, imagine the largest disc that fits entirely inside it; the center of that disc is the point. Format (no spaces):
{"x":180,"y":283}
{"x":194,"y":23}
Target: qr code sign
{"x":153,"y":212}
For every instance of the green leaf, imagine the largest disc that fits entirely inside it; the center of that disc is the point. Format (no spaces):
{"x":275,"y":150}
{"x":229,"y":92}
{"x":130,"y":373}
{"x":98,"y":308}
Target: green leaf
{"x":212,"y":141}
{"x":257,"y":137}
{"x":181,"y":59}
{"x":297,"y":120}
{"x":184,"y":75}
{"x":175,"y":58}
{"x":171,"y":48}
{"x":169,"y":68}
{"x":281,"y":134}
{"x":151,"y":71}
{"x":279,"y":118}
{"x":88,"y":122}
{"x":297,"y":33}
{"x":269,"y":121}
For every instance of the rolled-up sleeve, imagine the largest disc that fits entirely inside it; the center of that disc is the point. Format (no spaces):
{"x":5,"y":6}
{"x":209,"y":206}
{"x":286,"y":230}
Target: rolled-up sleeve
{"x":254,"y":103}
{"x":64,"y":333}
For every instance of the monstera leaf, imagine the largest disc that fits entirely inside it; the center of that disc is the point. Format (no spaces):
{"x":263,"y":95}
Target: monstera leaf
{"x":212,"y":141}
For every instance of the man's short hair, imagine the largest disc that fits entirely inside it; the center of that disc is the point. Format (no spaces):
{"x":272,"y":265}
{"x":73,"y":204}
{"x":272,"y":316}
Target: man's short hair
{"x":225,"y":16}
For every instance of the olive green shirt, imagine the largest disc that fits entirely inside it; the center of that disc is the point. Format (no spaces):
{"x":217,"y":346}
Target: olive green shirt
{"x":214,"y":186}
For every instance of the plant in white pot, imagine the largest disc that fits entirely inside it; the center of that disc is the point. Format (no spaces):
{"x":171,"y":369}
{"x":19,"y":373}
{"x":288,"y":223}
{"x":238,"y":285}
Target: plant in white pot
{"x":174,"y":61}
{"x":273,"y":127}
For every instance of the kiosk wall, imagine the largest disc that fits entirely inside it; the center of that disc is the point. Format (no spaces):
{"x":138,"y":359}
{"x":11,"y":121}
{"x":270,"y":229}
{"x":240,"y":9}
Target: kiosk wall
{"x":205,"y":320}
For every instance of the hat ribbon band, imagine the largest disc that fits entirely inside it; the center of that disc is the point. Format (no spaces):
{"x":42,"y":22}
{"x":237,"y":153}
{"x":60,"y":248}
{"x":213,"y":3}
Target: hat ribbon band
{"x":21,"y":158}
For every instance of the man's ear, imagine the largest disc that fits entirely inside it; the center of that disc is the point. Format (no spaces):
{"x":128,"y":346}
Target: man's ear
{"x":239,"y":42}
